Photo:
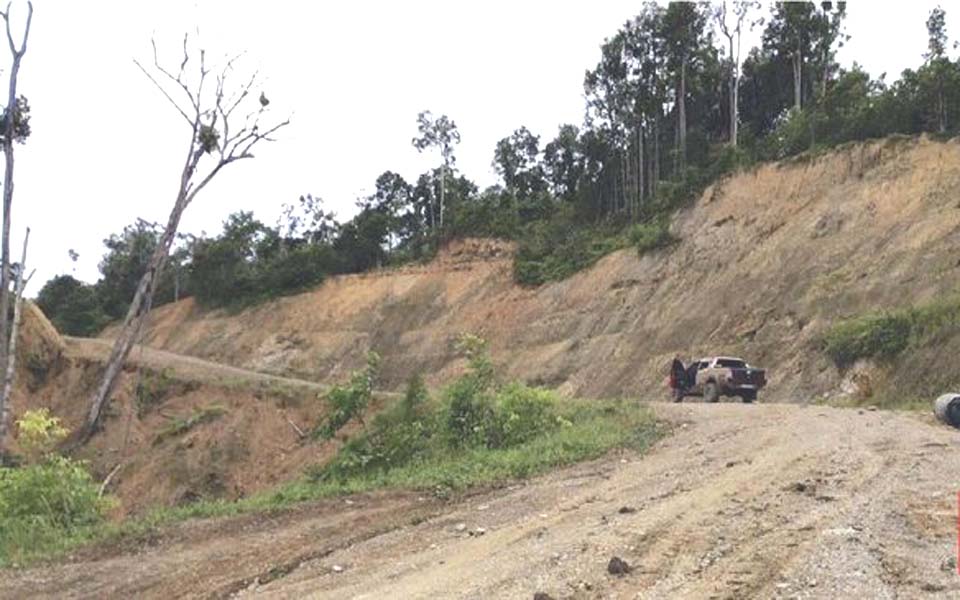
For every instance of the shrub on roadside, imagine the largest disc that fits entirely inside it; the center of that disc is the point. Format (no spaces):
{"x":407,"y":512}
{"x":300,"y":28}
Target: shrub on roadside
{"x":51,"y":499}
{"x":349,"y":401}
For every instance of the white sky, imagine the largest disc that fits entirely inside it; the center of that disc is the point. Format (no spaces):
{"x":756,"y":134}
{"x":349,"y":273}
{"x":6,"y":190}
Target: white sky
{"x":106,"y":148}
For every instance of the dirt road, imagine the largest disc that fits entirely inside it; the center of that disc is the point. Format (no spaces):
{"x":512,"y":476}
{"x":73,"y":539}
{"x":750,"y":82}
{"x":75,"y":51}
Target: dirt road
{"x":741,"y":501}
{"x":186,"y":367}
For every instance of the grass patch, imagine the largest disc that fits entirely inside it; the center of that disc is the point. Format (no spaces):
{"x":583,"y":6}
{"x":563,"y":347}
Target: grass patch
{"x":179,"y":426}
{"x":914,"y":347}
{"x":652,"y":235}
{"x":885,"y":336}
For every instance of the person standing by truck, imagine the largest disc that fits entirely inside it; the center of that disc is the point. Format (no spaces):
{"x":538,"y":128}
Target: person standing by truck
{"x":678,"y":376}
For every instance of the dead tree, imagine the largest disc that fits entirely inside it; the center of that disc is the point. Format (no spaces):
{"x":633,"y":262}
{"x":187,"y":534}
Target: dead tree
{"x":15,"y":128}
{"x":10,"y":372}
{"x":219,"y":135}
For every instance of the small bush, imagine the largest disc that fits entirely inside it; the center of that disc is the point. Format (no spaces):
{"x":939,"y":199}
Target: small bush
{"x":873,"y":336}
{"x":39,"y":433}
{"x":349,"y":401}
{"x":180,"y":426}
{"x":152,"y":389}
{"x":470,"y":418}
{"x":523,"y":413}
{"x":51,"y":501}
{"x":58,"y":491}
{"x":651,"y":235}
{"x":396,"y":437}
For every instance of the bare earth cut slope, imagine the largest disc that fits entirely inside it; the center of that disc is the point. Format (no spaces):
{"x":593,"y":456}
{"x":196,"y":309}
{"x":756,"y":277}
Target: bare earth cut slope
{"x":178,"y":428}
{"x":767,"y":259}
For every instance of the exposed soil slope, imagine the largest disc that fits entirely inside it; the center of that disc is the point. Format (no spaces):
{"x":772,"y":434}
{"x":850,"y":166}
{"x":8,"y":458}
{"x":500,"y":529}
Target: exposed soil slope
{"x":743,"y":501}
{"x":249,"y":441}
{"x":767,"y":260}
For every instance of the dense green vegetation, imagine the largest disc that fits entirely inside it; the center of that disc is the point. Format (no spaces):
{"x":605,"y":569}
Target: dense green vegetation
{"x":670,"y":107}
{"x":914,"y":348}
{"x":885,"y":336}
{"x":50,"y":502}
{"x":478,"y":431}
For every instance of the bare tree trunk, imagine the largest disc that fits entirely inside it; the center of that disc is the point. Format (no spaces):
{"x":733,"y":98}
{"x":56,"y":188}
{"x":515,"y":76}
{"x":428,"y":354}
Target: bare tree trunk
{"x":826,"y":74}
{"x":10,"y":372}
{"x":797,"y":77}
{"x":443,"y":184}
{"x":176,"y":284}
{"x":734,"y":84}
{"x":9,"y":134}
{"x":624,"y":164}
{"x":682,"y":115}
{"x":656,"y":156}
{"x":941,"y":111}
{"x":133,"y":322}
{"x":228,"y":146}
{"x":735,"y":109}
{"x":640,"y":166}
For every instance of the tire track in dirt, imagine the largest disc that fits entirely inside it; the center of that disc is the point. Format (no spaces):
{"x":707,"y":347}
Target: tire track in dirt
{"x":741,"y":501}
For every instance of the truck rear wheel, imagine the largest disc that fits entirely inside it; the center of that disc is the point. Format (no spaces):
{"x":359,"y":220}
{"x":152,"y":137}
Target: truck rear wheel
{"x":748,"y":397}
{"x":711,"y":393}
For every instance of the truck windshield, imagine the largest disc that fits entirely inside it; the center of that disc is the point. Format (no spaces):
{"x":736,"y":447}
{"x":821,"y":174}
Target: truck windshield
{"x":731,"y":363}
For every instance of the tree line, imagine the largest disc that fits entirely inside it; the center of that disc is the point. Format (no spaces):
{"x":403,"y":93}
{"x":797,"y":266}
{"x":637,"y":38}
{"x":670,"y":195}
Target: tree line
{"x":670,"y":106}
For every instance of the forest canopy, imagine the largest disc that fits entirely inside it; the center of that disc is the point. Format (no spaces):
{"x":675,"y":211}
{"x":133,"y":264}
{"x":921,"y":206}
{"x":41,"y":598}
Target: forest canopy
{"x":671,"y":105}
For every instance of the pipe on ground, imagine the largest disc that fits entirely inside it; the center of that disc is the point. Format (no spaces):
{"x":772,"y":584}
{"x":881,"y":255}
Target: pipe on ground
{"x":947,"y":409}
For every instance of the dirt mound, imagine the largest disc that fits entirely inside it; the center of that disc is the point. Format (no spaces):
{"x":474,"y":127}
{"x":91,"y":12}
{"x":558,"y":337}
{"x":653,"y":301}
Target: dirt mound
{"x":767,"y":259}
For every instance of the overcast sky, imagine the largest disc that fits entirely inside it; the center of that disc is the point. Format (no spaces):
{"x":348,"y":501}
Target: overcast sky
{"x":106,"y":148}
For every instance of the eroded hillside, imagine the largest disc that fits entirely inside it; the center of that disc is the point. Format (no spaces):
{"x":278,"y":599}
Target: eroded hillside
{"x":177,"y":429}
{"x":767,"y":259}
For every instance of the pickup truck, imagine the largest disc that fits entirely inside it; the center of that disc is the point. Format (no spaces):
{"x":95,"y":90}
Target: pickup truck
{"x":722,"y":376}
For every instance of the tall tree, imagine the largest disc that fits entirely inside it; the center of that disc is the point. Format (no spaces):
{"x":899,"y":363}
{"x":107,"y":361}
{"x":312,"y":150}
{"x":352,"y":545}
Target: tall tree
{"x":805,"y":35}
{"x":563,"y":162}
{"x":790,"y":32}
{"x":829,"y":33}
{"x":684,"y":33}
{"x":72,"y":306}
{"x":731,"y":18}
{"x":16,"y":128}
{"x":9,"y":376}
{"x":937,"y":62}
{"x":124,"y":263}
{"x":440,"y":133}
{"x":516,"y":160}
{"x":212,"y":118}
{"x":624,"y":96}
{"x":393,"y":198}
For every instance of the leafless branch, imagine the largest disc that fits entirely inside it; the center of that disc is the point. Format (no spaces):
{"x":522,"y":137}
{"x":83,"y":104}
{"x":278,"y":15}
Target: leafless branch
{"x":299,"y":431}
{"x":106,"y":481}
{"x":23,"y":46}
{"x":163,"y":91}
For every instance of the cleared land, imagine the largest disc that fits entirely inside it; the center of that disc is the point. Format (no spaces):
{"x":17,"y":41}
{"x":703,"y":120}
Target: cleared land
{"x":742,"y":501}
